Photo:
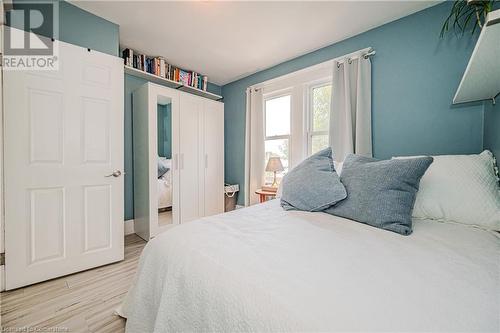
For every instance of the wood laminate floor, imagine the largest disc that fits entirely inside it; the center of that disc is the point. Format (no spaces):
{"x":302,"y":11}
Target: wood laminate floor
{"x":81,"y":302}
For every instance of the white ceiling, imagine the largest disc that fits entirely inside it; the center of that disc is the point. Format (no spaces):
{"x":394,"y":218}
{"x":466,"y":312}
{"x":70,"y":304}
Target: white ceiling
{"x":230,"y":40}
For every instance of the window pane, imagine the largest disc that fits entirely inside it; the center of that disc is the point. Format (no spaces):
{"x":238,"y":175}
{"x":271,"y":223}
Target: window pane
{"x":319,"y":142}
{"x":280,"y":149}
{"x":278,"y":116}
{"x":321,"y":107}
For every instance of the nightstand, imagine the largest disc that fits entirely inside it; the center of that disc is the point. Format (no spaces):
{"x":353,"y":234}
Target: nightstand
{"x":265,"y":195}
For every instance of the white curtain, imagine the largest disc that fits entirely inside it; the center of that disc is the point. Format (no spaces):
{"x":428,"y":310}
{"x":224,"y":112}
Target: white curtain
{"x":254,"y":146}
{"x":350,"y":113}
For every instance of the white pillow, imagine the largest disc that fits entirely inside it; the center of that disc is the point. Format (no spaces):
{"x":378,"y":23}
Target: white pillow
{"x":462,"y":189}
{"x":279,"y":191}
{"x":338,"y":167}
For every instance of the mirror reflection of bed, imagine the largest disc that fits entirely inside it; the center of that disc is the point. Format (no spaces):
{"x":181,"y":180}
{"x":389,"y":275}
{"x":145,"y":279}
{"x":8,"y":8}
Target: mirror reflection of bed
{"x":165,"y":183}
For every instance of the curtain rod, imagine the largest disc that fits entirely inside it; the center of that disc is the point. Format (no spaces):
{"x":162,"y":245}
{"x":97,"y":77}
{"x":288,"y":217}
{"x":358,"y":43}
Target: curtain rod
{"x":366,"y":53}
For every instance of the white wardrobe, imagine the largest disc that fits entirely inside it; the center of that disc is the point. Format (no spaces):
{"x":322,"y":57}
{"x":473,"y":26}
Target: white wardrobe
{"x":197,"y":157}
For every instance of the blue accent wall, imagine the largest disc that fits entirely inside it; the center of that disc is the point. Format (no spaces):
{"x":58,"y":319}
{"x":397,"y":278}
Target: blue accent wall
{"x":414,"y":77}
{"x":491,"y":138}
{"x":82,"y":28}
{"x":79,"y":27}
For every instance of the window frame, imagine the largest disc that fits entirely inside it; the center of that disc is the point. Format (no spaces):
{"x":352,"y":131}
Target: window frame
{"x":274,"y":95}
{"x":309,"y":112}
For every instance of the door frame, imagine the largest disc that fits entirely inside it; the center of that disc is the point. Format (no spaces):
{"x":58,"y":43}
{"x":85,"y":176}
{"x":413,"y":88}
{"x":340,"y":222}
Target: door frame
{"x":2,"y":215}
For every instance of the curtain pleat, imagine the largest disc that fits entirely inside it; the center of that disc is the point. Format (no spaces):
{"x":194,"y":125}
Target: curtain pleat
{"x":254,"y":145}
{"x":350,"y":113}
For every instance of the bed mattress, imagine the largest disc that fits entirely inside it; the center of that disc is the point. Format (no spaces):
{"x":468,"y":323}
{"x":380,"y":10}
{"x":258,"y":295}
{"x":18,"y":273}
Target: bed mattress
{"x":265,"y":269}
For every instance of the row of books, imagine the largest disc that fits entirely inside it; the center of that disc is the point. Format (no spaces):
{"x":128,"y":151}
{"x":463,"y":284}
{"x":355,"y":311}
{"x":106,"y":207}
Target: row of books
{"x":158,"y":66}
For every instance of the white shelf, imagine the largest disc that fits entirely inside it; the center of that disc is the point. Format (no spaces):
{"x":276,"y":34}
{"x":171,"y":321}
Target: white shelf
{"x":481,"y":80}
{"x":200,"y":92}
{"x":171,"y":84}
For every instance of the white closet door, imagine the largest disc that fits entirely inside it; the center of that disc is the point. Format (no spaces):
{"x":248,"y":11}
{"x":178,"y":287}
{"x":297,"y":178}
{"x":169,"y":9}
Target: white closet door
{"x":188,"y":158}
{"x":63,"y":136}
{"x":214,"y":157}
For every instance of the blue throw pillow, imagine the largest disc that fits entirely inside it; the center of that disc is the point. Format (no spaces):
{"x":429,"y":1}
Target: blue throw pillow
{"x":381,"y":193}
{"x":313,"y":185}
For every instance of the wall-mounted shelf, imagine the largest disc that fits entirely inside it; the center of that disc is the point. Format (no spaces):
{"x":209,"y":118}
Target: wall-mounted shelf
{"x":171,"y":84}
{"x":481,"y":80}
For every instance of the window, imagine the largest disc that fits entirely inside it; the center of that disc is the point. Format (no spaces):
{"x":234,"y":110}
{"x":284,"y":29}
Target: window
{"x":296,"y":112}
{"x":277,"y":131}
{"x":319,"y":114}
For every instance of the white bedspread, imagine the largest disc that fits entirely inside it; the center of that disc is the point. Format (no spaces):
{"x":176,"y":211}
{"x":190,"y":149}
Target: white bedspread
{"x":165,"y":190}
{"x":263,"y":269}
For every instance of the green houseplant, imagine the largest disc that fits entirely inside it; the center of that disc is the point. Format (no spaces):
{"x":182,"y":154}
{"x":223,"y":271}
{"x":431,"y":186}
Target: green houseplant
{"x":465,"y":13}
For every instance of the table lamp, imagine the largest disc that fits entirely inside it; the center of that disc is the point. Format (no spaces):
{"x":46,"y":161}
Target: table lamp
{"x":274,"y":165}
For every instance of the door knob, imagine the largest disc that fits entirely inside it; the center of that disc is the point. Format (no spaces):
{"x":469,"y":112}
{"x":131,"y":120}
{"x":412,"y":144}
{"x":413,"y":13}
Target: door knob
{"x":117,"y":173}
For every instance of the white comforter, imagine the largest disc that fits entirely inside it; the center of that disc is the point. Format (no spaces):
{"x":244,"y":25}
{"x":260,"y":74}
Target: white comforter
{"x":263,"y":269}
{"x":165,"y":190}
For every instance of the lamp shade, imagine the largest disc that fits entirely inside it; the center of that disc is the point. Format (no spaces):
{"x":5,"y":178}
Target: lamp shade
{"x":274,"y":164}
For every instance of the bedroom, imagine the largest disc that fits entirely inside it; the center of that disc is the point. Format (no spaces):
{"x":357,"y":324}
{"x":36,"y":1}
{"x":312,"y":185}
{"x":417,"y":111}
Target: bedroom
{"x":113,"y":184}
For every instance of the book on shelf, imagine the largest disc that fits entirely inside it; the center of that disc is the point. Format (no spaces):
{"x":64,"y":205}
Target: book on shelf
{"x":128,"y":57}
{"x":160,"y":67}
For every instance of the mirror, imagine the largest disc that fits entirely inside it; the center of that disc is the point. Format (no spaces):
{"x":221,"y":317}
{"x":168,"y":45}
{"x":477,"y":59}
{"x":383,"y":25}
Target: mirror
{"x":165,"y":180}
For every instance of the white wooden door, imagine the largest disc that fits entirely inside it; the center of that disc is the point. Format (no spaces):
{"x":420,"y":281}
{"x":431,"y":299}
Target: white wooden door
{"x":63,"y":137}
{"x":189,"y":157}
{"x":214,"y":157}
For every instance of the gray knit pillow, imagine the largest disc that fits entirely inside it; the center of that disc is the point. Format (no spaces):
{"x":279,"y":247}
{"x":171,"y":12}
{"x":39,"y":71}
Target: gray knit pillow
{"x":381,"y":193}
{"x":313,"y":185}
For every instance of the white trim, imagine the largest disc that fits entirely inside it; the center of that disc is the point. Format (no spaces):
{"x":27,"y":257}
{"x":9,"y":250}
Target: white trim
{"x":2,"y":192}
{"x":129,"y":227}
{"x":2,"y":278}
{"x":309,"y":111}
{"x":323,"y":65}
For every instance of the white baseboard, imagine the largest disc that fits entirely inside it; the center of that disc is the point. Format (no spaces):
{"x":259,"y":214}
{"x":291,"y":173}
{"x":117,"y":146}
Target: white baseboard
{"x":129,"y":227}
{"x":2,"y":278}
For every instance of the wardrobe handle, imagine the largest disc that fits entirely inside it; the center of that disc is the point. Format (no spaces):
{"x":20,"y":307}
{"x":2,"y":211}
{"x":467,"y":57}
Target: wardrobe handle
{"x":176,"y":161}
{"x":182,"y":162}
{"x":206,"y":161}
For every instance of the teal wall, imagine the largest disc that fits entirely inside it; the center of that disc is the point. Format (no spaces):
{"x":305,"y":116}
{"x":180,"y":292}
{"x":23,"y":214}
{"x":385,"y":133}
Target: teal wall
{"x":491,"y":138}
{"x":164,"y":122}
{"x":82,"y":28}
{"x":415,"y":75}
{"x":79,"y":27}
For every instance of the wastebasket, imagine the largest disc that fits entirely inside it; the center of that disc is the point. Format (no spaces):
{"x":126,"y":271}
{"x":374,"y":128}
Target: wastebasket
{"x":230,"y":196}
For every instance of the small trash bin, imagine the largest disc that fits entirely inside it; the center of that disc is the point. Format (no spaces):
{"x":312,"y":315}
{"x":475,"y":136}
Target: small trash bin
{"x":230,"y":196}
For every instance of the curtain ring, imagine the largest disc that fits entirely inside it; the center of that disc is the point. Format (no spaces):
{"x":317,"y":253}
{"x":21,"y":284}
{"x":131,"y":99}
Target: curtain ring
{"x":338,"y":64}
{"x":349,"y":61}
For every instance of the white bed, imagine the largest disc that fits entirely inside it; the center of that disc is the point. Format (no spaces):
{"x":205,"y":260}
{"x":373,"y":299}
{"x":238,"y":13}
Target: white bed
{"x":264,"y":269}
{"x":165,"y":190}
